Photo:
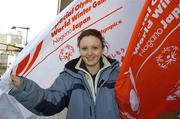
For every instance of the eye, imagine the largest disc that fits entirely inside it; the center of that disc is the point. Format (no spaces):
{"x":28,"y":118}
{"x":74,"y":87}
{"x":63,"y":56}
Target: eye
{"x":84,"y":48}
{"x":95,"y":48}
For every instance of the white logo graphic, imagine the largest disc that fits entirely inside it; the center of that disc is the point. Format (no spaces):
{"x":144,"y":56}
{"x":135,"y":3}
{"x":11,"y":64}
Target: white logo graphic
{"x":175,"y":92}
{"x":167,"y":57}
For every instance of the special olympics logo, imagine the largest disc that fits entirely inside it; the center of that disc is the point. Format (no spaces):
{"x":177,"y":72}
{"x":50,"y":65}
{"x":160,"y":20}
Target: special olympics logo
{"x":66,"y":52}
{"x":167,"y":57}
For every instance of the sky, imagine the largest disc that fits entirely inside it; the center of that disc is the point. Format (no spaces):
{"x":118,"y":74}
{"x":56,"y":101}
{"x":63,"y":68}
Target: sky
{"x":35,"y":14}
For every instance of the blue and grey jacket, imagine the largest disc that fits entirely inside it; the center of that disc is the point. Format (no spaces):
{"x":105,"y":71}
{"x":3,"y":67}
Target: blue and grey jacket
{"x":75,"y":90}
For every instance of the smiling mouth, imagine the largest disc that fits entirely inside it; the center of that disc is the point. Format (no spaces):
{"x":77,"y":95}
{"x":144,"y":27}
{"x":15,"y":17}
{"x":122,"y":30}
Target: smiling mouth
{"x":90,"y":59}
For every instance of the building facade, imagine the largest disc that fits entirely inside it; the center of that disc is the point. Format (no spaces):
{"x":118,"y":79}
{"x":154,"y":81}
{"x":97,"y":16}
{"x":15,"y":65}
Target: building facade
{"x":62,"y":4}
{"x":10,"y":46}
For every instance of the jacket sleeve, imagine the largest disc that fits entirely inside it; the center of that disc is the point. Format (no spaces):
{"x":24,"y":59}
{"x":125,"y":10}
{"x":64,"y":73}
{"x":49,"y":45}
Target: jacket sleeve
{"x":42,"y":101}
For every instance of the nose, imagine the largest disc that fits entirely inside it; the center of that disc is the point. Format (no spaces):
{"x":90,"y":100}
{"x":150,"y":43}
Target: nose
{"x":89,"y":52}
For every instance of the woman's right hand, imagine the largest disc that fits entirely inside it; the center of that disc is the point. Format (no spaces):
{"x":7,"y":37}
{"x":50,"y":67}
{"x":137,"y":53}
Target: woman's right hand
{"x":16,"y":81}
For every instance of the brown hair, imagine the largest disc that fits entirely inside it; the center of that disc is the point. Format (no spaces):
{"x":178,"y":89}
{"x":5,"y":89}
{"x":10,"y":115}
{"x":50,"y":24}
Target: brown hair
{"x":92,"y":32}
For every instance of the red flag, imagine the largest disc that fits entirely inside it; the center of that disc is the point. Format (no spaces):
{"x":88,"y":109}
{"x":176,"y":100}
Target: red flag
{"x":149,"y":81}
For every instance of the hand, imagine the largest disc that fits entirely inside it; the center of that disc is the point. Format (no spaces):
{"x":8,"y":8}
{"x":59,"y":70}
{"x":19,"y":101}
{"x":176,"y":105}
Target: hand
{"x":16,"y":81}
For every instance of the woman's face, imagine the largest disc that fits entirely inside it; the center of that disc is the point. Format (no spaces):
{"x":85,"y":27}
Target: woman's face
{"x":91,"y":50}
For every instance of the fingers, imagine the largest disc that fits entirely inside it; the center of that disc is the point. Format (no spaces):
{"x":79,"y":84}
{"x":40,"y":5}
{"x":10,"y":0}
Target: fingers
{"x":15,"y":81}
{"x":12,"y":86}
{"x":13,"y":77}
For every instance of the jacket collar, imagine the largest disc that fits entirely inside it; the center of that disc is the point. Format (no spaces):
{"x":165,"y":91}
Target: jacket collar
{"x":75,"y":65}
{"x":81,"y":66}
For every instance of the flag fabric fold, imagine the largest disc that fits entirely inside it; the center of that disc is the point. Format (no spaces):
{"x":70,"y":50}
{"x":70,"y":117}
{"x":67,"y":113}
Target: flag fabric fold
{"x":9,"y":108}
{"x":152,"y":59}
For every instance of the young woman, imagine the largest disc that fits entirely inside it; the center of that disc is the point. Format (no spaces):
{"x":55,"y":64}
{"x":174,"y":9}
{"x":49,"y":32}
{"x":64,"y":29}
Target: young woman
{"x":85,"y":87}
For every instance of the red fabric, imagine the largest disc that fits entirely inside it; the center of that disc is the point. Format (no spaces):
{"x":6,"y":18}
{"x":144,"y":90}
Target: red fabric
{"x":152,"y":59}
